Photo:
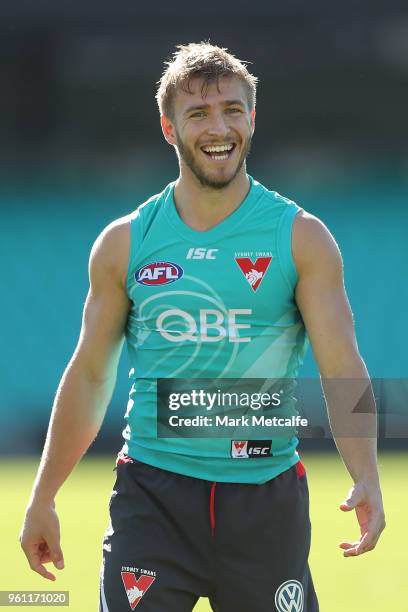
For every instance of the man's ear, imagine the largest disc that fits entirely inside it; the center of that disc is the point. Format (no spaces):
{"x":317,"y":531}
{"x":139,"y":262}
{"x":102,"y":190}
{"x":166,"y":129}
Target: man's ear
{"x":168,"y":129}
{"x":253,"y":114}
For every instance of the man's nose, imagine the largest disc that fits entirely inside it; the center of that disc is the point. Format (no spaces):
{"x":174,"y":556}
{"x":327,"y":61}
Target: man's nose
{"x":217,"y":125}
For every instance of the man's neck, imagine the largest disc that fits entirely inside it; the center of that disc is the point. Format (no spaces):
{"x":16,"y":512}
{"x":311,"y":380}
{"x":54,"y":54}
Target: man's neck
{"x":201,"y":208}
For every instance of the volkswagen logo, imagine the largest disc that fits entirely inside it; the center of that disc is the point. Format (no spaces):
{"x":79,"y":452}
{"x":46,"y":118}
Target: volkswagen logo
{"x":289,"y":596}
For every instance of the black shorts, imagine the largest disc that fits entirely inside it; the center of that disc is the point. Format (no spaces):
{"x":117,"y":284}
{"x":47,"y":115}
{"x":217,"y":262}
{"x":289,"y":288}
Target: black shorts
{"x":173,"y":539}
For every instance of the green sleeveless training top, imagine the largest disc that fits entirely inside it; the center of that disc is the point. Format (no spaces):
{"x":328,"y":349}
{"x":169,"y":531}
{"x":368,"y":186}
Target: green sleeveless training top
{"x":213,"y":305}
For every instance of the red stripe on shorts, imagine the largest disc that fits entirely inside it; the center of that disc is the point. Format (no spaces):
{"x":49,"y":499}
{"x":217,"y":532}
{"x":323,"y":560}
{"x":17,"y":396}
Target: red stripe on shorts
{"x":300,"y":468}
{"x":212,"y":509}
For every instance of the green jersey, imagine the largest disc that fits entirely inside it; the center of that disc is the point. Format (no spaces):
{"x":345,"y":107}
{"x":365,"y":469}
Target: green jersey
{"x":214,"y":305}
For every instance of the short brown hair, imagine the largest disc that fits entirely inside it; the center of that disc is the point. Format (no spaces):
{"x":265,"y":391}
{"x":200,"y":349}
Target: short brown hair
{"x":201,"y":60}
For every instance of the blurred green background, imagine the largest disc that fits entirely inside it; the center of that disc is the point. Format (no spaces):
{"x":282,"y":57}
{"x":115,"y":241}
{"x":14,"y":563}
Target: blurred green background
{"x":80,"y":145}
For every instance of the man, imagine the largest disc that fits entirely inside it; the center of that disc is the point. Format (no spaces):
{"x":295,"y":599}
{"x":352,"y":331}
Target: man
{"x":214,"y":278}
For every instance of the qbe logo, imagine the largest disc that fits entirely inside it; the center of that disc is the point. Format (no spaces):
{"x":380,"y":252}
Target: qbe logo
{"x":250,"y":449}
{"x":190,"y":330}
{"x":158,"y":273}
{"x":289,"y":596}
{"x":211,"y":325}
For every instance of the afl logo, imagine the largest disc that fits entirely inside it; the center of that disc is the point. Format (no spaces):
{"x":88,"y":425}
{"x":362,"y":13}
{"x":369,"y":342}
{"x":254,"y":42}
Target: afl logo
{"x":158,"y":273}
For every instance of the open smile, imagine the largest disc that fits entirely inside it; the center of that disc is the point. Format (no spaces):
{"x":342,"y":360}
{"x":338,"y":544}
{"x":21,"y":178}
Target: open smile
{"x":219,"y":152}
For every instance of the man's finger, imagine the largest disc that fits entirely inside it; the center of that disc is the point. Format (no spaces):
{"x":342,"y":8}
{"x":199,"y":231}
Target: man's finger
{"x":347,"y":505}
{"x":352,"y":500}
{"x":39,"y":553}
{"x":376,"y":524}
{"x":350,"y":549}
{"x":57,"y":558}
{"x":37,"y":566}
{"x":352,"y":552}
{"x":53,"y":550}
{"x":368,"y":542}
{"x":347,"y":545}
{"x":371,"y":536}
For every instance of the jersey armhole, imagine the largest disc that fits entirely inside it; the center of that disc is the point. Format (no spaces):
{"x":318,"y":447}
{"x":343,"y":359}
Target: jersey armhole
{"x":136,"y":236}
{"x":284,"y":245}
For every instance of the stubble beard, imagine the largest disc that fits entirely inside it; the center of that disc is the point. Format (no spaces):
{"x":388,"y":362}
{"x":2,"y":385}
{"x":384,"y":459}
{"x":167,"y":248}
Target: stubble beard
{"x":188,"y":157}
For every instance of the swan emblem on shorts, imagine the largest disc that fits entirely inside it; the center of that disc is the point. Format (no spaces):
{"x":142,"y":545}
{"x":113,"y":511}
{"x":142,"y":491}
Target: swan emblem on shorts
{"x":133,"y":594}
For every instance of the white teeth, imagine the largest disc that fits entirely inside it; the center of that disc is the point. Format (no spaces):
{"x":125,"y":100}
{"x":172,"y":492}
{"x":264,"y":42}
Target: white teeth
{"x":218,"y":148}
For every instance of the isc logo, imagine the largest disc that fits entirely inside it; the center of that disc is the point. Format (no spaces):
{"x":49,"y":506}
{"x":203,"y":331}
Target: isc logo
{"x":201,"y":253}
{"x":158,"y":273}
{"x":177,"y":325}
{"x":247,"y":449}
{"x":258,"y":450}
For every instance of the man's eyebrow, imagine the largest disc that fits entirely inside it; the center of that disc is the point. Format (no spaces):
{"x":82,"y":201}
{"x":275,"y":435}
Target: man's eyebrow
{"x":197,"y":107}
{"x":234,"y":102}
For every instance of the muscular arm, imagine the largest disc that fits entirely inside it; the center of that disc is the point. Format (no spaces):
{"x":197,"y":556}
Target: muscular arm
{"x":326,"y":312}
{"x":83,"y":394}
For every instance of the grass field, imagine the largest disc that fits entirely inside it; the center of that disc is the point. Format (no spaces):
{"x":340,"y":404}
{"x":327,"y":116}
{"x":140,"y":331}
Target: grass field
{"x":375,"y":582}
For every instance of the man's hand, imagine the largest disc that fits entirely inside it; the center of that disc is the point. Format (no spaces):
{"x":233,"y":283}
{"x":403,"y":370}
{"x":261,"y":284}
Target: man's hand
{"x":366,"y":499}
{"x":40,"y":539}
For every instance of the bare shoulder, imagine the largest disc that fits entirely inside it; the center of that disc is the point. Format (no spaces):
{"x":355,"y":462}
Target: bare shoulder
{"x":313,"y":245}
{"x":110,"y":251}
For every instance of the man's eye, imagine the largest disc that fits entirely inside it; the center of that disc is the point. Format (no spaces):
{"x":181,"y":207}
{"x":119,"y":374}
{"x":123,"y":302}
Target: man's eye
{"x":198,"y":114}
{"x":234,"y":110}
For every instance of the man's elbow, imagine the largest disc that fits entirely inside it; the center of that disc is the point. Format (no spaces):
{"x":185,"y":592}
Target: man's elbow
{"x":91,"y":373}
{"x":350,"y":364}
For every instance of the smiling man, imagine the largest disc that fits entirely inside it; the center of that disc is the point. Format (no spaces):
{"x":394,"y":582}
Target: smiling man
{"x":187,"y":133}
{"x":214,"y":278}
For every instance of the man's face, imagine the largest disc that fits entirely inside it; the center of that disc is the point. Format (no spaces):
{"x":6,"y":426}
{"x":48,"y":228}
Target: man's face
{"x":221,"y":119}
